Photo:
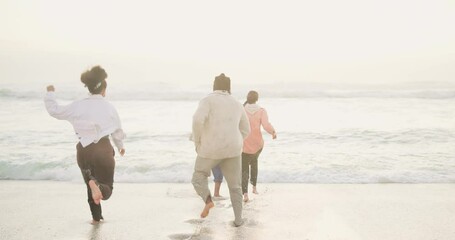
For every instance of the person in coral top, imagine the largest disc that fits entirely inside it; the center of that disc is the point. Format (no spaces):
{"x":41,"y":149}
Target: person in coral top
{"x":253,"y":144}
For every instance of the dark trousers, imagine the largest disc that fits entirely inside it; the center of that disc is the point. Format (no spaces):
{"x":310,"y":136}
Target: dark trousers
{"x":97,"y":163}
{"x":247,"y":161}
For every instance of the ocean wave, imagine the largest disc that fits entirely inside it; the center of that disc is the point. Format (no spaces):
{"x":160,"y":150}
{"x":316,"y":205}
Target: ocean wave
{"x":169,"y":95}
{"x":362,"y":137}
{"x":4,"y":93}
{"x":320,"y":175}
{"x":35,"y":170}
{"x":182,"y":172}
{"x":422,"y":94}
{"x":347,"y":156}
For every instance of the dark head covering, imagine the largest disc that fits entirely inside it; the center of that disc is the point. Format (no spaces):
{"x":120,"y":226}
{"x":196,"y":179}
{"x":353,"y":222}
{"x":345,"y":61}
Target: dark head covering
{"x":222,"y":83}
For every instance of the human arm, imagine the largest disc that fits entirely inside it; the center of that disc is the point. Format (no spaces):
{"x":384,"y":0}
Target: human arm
{"x":118,"y":135}
{"x":267,"y":125}
{"x":54,"y":109}
{"x":199,"y":119}
{"x":244,"y":125}
{"x":117,"y":138}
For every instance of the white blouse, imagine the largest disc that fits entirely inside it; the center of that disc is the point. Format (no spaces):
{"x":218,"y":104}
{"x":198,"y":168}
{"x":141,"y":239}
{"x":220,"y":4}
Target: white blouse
{"x":92,"y":118}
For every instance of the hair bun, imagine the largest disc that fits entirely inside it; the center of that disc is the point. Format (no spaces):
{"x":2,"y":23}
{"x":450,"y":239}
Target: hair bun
{"x":94,"y":78}
{"x":85,"y":77}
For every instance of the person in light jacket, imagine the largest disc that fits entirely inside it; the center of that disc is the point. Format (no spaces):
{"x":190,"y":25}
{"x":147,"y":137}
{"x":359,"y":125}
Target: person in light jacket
{"x":219,"y":127}
{"x":253,"y":144}
{"x":94,"y":119}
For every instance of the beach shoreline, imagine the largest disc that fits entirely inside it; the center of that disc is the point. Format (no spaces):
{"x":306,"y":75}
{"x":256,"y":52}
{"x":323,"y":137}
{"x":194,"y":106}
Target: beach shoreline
{"x":59,"y":210}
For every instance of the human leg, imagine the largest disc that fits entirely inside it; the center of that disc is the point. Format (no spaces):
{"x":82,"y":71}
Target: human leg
{"x":95,"y":208}
{"x":202,"y":169}
{"x":254,"y":170}
{"x":218,"y":179}
{"x":103,"y":166}
{"x":217,"y":189}
{"x":232,"y":168}
{"x":97,"y":164}
{"x":245,"y":175}
{"x":245,"y":172}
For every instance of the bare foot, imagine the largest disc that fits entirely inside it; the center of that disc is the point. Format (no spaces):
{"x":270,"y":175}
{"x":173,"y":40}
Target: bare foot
{"x":255,"y":191}
{"x":96,"y":192}
{"x":205,"y":211}
{"x":245,"y":197}
{"x":94,"y":222}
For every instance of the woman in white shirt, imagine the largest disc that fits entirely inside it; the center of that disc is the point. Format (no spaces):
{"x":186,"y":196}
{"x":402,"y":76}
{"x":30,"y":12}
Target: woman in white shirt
{"x":94,"y":119}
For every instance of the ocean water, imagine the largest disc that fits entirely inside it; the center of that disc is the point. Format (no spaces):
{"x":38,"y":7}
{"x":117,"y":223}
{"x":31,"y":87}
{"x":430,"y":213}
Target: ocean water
{"x":324,"y":136}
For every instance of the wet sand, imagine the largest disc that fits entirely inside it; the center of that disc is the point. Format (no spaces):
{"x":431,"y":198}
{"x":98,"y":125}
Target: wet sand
{"x":59,"y":210}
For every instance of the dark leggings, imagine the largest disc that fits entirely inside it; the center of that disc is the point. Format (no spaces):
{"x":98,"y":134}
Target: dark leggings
{"x":247,"y":160}
{"x":97,"y":163}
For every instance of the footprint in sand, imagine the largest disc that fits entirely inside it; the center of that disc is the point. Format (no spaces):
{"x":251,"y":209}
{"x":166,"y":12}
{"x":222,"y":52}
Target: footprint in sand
{"x":219,"y":198}
{"x":200,"y":233}
{"x":181,"y":236}
{"x":189,"y":237}
{"x":197,"y":221}
{"x":252,"y":223}
{"x":173,"y":193}
{"x":220,"y":205}
{"x":248,"y":223}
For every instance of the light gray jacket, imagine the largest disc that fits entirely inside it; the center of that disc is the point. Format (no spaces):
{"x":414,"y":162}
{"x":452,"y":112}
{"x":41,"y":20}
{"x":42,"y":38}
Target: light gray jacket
{"x":220,"y":125}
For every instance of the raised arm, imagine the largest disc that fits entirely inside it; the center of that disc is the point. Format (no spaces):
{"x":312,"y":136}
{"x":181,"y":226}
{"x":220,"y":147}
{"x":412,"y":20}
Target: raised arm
{"x":54,"y":109}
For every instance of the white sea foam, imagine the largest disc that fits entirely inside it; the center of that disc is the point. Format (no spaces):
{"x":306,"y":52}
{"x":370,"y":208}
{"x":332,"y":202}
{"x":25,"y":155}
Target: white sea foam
{"x":302,"y":158}
{"x":328,"y":137}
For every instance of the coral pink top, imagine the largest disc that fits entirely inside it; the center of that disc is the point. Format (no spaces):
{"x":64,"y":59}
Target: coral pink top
{"x":257,"y":116}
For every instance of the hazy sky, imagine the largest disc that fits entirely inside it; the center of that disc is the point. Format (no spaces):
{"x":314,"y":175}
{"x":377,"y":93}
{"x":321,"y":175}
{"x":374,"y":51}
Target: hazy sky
{"x":251,"y":41}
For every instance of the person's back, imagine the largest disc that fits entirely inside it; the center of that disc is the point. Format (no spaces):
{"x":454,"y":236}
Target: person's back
{"x":218,"y":124}
{"x":257,"y":117}
{"x":95,"y":108}
{"x":254,"y":143}
{"x":92,"y":117}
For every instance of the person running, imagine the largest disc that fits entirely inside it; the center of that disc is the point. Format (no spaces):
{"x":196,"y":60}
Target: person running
{"x":253,"y":144}
{"x":94,"y":120}
{"x":219,"y":127}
